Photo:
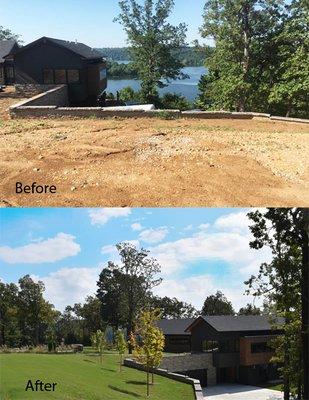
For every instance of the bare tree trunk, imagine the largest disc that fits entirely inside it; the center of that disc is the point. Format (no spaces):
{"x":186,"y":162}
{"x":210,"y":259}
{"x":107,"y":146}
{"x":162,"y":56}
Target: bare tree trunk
{"x":148,"y":392}
{"x":246,"y":55}
{"x":286,"y":380}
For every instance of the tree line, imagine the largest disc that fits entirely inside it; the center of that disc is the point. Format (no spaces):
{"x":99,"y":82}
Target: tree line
{"x":190,"y":56}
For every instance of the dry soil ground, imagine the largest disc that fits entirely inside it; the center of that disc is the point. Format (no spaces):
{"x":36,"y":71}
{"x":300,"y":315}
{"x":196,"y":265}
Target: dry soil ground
{"x":153,"y":162}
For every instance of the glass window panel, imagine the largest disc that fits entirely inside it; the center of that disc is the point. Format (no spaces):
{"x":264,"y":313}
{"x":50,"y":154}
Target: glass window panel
{"x":60,"y":76}
{"x":73,"y":75}
{"x":48,"y":76}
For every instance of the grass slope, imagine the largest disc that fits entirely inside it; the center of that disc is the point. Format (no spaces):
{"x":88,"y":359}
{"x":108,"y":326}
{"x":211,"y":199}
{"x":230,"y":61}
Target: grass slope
{"x":81,"y":377}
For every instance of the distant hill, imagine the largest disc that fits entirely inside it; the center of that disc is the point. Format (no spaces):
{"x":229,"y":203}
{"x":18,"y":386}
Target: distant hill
{"x":190,"y":56}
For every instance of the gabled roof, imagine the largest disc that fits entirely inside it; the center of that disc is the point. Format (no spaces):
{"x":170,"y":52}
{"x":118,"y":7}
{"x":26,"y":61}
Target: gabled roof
{"x":80,"y":49}
{"x":175,"y":326}
{"x":238,"y":323}
{"x":6,"y":47}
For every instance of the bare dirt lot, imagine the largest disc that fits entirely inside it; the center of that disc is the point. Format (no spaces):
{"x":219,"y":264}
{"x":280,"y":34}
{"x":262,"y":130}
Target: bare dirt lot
{"x":154,"y":162}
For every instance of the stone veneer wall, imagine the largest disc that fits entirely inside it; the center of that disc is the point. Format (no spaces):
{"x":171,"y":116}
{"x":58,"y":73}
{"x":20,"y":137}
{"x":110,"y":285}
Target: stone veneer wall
{"x":198,"y":392}
{"x":190,"y":362}
{"x":53,"y":104}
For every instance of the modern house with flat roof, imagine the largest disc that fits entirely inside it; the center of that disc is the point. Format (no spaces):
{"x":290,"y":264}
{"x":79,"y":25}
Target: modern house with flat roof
{"x":232,"y":348}
{"x":7,"y":73}
{"x":49,"y":61}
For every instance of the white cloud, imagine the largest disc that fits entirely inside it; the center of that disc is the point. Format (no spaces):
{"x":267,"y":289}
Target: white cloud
{"x":153,"y":235}
{"x":136,"y":226}
{"x":69,"y":285}
{"x":195,"y":289}
{"x":44,"y":251}
{"x":103,"y":215}
{"x":234,"y":222}
{"x":232,"y":248}
{"x":203,"y":227}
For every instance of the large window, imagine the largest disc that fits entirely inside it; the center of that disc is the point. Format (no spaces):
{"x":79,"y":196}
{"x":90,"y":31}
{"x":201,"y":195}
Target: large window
{"x":179,"y":341}
{"x":9,"y":72}
{"x":73,"y":75}
{"x":103,"y":74}
{"x":60,"y":76}
{"x":260,"y":347}
{"x":210,"y":345}
{"x":48,"y":76}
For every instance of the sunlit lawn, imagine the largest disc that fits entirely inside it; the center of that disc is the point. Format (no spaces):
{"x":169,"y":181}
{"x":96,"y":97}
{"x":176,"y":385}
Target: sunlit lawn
{"x":81,"y":377}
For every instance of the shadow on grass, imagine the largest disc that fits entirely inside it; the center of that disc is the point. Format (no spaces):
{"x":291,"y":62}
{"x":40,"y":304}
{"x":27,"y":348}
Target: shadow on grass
{"x":136,"y":383}
{"x":124,"y":391}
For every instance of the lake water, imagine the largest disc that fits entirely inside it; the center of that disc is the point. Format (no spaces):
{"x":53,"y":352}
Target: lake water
{"x":185,"y":87}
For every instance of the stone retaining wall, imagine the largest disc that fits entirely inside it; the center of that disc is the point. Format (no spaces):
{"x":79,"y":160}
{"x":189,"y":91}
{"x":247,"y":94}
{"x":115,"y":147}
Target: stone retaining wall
{"x":191,"y":362}
{"x":53,"y":102}
{"x":176,"y":377}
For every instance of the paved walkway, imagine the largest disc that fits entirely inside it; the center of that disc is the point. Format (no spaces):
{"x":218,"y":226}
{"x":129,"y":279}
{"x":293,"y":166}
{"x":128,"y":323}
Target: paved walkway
{"x":240,"y":392}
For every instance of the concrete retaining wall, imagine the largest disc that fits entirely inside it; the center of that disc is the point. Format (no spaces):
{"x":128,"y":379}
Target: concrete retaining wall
{"x":176,"y":377}
{"x":54,"y":98}
{"x":32,"y":89}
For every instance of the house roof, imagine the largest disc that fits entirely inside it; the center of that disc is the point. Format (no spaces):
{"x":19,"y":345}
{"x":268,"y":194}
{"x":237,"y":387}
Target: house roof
{"x":239,"y":323}
{"x":6,"y":46}
{"x":80,"y":49}
{"x":175,"y":326}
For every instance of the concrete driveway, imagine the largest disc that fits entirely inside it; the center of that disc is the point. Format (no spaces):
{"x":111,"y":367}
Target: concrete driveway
{"x":240,"y":392}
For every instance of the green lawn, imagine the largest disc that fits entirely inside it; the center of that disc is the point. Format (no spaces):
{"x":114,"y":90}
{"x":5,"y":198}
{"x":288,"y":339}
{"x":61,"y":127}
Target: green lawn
{"x":81,"y":377}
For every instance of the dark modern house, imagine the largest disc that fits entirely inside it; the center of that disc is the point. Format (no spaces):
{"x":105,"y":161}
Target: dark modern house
{"x":231,"y":348}
{"x":49,"y":61}
{"x":7,"y":73}
{"x":177,"y":339}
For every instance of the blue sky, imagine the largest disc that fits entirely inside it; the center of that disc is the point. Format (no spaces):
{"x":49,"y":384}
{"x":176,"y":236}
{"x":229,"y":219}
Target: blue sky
{"x":200,"y":250}
{"x":88,"y":21}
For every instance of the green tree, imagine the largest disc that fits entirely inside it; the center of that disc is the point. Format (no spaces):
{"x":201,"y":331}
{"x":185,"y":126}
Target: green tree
{"x":249,"y":309}
{"x":6,"y":34}
{"x":240,"y":67}
{"x":217,"y":304}
{"x":124,"y":288}
{"x":290,"y":92}
{"x":9,"y":327}
{"x":98,"y":341}
{"x":121,"y":346}
{"x":284,"y":282}
{"x":152,"y":43}
{"x":148,"y":342}
{"x":172,"y":308}
{"x":35,"y":314}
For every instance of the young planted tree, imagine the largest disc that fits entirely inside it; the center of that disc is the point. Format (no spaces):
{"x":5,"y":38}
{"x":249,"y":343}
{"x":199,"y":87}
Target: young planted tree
{"x":121,"y":346}
{"x":148,"y":342}
{"x":98,"y":341}
{"x":153,"y":42}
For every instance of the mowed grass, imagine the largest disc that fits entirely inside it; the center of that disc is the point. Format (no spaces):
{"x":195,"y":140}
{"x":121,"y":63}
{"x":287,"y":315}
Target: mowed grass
{"x":81,"y":377}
